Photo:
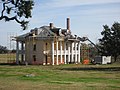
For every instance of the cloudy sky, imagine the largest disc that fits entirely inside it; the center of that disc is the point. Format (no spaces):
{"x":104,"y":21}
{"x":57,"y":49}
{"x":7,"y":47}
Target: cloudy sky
{"x":87,"y":17}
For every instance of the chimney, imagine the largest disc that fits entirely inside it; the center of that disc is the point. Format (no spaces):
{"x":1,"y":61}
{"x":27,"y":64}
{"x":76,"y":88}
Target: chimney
{"x":68,"y":24}
{"x":51,"y":26}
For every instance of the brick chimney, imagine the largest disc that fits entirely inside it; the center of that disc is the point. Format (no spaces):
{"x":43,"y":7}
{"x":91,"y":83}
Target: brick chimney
{"x":68,"y":24}
{"x":51,"y":25}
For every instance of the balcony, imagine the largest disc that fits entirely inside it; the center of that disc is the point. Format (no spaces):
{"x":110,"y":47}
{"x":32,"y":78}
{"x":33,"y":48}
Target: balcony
{"x":59,"y":52}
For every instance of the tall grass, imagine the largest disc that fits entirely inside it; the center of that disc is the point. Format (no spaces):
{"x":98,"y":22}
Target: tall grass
{"x":7,"y":58}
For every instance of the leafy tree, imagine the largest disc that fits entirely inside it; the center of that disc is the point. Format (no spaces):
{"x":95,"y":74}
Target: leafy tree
{"x":18,"y":10}
{"x":3,"y":49}
{"x":110,"y":42}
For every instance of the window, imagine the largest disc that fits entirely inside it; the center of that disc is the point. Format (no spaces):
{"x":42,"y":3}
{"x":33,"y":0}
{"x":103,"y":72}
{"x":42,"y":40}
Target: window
{"x":34,"y":47}
{"x":34,"y":58}
{"x":46,"y":46}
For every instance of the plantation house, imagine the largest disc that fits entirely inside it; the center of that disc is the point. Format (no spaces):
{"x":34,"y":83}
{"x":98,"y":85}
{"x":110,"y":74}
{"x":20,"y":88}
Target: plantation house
{"x":48,"y":45}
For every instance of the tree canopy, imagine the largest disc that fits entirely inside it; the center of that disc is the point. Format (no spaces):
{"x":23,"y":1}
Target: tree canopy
{"x":110,"y":42}
{"x":18,"y":10}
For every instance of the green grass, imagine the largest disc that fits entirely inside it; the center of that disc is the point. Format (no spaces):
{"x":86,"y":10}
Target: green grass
{"x":62,"y":77}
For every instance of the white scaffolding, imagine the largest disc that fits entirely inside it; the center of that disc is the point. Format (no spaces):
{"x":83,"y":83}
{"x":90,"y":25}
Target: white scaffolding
{"x":11,"y":46}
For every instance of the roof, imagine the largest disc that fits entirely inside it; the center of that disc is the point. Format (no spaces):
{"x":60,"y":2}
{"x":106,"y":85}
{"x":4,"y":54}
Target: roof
{"x":45,"y":32}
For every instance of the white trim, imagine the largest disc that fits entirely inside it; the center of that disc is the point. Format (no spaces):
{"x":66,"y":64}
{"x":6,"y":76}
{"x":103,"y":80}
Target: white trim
{"x":68,"y":52}
{"x":72,"y":52}
{"x":52,"y":52}
{"x":64,"y":52}
{"x":75,"y":52}
{"x":79,"y":52}
{"x":60,"y":51}
{"x":57,"y":53}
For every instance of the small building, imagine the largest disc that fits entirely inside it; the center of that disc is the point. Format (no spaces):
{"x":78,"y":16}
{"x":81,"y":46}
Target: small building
{"x":102,"y":60}
{"x":48,"y":45}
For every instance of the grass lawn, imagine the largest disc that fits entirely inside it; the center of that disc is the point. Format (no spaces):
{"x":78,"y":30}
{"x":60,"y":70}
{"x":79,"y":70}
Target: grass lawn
{"x":62,"y":77}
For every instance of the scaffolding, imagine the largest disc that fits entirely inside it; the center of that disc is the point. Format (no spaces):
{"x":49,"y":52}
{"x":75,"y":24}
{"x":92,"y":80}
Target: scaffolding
{"x":84,"y":51}
{"x":11,"y":56}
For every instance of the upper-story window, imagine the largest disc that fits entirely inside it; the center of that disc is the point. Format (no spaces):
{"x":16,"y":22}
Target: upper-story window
{"x":34,"y":47}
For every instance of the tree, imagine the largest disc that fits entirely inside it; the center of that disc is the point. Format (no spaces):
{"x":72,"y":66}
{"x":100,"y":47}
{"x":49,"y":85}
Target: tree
{"x":18,"y":10}
{"x":110,"y":42}
{"x":3,"y":49}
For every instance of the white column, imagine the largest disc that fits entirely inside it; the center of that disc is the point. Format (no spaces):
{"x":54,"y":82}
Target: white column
{"x":79,"y":52}
{"x":65,"y":52}
{"x":52,"y":52}
{"x":60,"y":51}
{"x":17,"y":52}
{"x":57,"y":53}
{"x":72,"y":52}
{"x":68,"y":52}
{"x":75,"y":52}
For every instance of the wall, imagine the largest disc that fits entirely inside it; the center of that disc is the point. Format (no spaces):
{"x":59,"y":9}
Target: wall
{"x":38,"y":52}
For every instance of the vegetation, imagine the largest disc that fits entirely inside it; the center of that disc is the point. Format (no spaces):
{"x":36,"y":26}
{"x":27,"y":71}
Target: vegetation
{"x":110,"y":42}
{"x":8,"y":58}
{"x":62,"y":77}
{"x":3,"y":49}
{"x":18,"y":10}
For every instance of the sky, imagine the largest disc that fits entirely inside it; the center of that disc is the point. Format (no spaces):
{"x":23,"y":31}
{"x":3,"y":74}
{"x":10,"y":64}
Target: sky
{"x":87,"y":17}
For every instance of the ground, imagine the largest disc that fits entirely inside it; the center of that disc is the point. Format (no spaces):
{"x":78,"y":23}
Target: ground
{"x":62,"y":77}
